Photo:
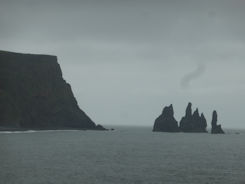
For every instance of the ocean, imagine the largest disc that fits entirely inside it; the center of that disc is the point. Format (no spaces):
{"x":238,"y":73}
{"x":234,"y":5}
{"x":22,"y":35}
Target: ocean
{"x":128,"y":155}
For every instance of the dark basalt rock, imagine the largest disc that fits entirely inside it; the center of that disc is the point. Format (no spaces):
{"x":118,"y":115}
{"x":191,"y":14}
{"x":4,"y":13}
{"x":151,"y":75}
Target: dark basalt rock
{"x":100,"y":127}
{"x":193,"y":122}
{"x":34,"y":95}
{"x":216,"y":129}
{"x":166,"y":121}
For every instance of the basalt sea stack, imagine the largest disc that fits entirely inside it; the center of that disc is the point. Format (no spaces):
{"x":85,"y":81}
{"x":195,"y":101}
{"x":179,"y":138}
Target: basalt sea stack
{"x":34,"y":95}
{"x":216,"y":129}
{"x":193,"y":122}
{"x":166,"y":121}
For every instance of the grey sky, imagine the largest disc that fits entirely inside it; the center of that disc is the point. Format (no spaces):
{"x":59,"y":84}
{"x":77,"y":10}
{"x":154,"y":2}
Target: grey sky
{"x":126,"y":59}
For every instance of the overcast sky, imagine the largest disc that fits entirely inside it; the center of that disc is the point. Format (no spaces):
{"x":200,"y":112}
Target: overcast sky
{"x":127,"y":59}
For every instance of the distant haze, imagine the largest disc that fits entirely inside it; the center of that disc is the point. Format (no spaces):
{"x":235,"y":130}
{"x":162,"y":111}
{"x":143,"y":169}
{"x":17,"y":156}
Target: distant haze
{"x":126,"y":59}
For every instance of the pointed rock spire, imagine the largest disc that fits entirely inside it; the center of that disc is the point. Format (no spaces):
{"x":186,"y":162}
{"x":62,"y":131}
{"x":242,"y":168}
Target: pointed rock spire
{"x":166,"y":121}
{"x":193,"y":122}
{"x":203,"y":121}
{"x":188,"y":111}
{"x":216,"y":129}
{"x":196,"y":114}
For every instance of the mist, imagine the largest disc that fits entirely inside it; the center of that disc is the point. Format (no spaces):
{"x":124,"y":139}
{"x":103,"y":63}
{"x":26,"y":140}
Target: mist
{"x":126,"y":60}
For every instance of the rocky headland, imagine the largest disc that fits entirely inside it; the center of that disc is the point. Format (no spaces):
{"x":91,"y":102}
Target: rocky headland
{"x":34,"y":95}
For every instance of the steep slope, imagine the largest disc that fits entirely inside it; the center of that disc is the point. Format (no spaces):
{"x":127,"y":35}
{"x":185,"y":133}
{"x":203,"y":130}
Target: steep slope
{"x":216,"y":129}
{"x":166,"y":121}
{"x":34,"y":95}
{"x":193,"y":122}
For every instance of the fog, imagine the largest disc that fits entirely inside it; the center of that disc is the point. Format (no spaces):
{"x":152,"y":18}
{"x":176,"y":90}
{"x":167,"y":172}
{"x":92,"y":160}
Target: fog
{"x":126,"y":60}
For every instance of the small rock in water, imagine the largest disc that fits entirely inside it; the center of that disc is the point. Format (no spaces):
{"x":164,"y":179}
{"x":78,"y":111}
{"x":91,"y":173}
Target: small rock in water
{"x":166,"y":121}
{"x":216,"y":129}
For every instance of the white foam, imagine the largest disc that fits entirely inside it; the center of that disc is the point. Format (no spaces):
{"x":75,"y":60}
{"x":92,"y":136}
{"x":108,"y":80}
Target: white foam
{"x":32,"y":131}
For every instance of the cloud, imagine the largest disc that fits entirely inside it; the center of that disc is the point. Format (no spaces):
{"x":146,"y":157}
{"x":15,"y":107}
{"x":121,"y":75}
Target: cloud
{"x":199,"y":71}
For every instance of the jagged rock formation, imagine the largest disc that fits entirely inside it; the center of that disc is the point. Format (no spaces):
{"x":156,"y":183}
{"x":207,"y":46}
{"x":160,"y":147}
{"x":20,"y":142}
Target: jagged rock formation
{"x":166,"y":121}
{"x":34,"y":95}
{"x":189,"y":123}
{"x":216,"y":129}
{"x":193,"y":122}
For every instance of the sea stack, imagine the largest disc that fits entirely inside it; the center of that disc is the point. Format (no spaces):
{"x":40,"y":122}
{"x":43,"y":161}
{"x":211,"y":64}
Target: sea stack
{"x":166,"y":121}
{"x":34,"y":95}
{"x":216,"y":129}
{"x":193,"y":122}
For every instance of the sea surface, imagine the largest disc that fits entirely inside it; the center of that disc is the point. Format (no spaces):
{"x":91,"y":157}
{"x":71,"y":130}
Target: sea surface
{"x":128,"y":155}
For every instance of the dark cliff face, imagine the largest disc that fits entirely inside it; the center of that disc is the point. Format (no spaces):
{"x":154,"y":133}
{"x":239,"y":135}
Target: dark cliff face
{"x":193,"y":122}
{"x":216,"y":129}
{"x":34,"y":95}
{"x":166,"y":121}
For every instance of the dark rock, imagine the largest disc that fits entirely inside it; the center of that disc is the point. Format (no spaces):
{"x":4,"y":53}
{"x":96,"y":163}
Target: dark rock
{"x":203,"y":123}
{"x":166,"y":121}
{"x":216,"y":129}
{"x":100,"y":127}
{"x":34,"y":95}
{"x":193,"y":122}
{"x":188,"y":111}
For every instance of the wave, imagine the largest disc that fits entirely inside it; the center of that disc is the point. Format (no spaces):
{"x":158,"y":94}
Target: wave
{"x":32,"y":131}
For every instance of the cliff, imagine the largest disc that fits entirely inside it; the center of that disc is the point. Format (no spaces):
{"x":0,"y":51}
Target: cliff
{"x":166,"y":121}
{"x":34,"y":95}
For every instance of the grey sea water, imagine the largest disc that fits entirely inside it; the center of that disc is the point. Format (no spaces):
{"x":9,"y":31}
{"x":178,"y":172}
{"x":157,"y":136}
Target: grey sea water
{"x":127,"y":155}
